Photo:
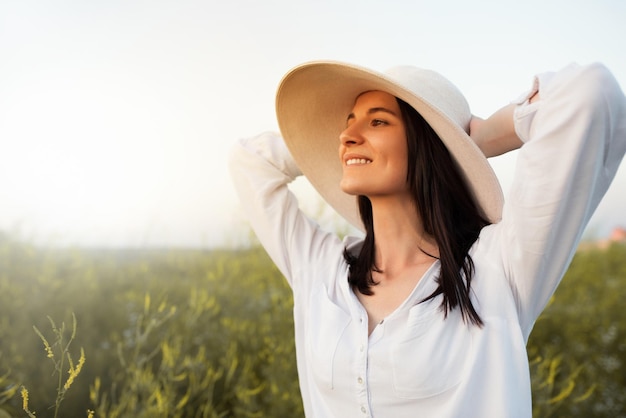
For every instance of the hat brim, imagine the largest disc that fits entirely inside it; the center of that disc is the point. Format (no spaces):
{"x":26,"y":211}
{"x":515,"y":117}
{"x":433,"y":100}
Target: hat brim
{"x":312,"y":103}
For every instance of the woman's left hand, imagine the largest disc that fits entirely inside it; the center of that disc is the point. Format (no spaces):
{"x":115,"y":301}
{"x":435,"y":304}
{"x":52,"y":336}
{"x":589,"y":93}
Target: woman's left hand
{"x":496,"y":134}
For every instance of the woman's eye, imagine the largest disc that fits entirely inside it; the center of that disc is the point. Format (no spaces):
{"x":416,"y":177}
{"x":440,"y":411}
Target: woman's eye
{"x":378,"y":122}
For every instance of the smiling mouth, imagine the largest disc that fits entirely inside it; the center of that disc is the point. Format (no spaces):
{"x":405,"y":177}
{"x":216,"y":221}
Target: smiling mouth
{"x":357,"y":161}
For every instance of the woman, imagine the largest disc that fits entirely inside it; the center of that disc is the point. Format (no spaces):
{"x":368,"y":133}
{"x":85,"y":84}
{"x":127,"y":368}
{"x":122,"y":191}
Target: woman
{"x":429,"y":313}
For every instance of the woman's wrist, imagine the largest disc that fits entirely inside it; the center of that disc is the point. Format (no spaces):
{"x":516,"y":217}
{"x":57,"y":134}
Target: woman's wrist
{"x":495,"y":135}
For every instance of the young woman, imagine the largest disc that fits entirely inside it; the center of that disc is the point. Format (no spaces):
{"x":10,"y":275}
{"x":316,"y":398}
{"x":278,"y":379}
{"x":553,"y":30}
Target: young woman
{"x":428,"y":314}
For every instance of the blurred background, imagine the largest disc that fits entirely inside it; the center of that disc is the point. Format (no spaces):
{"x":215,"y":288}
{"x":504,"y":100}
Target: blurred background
{"x":121,"y":239}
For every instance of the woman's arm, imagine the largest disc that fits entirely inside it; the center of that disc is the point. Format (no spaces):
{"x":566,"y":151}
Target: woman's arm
{"x":261,"y":168}
{"x":496,"y":135}
{"x":574,"y":139}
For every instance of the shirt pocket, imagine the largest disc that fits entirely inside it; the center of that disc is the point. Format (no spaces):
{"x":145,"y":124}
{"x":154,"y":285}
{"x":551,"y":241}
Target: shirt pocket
{"x":432,"y":355}
{"x":326,"y":324}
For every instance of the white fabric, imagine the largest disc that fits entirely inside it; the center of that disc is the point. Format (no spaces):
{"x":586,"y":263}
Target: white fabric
{"x":415,"y":363}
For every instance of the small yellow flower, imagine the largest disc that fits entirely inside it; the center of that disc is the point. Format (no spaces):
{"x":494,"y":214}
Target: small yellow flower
{"x":24,"y":393}
{"x":94,"y":391}
{"x":46,"y":345}
{"x":74,"y":371}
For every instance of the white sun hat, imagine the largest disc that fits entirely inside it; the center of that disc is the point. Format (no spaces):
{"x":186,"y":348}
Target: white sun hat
{"x":314,"y":99}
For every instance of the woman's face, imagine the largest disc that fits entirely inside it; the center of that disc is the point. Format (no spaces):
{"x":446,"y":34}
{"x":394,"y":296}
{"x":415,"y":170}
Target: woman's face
{"x":373,"y":148}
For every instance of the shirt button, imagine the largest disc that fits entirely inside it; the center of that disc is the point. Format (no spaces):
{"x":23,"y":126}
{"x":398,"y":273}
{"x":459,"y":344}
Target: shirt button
{"x":360,"y":380}
{"x":361,"y":348}
{"x":363,"y":410}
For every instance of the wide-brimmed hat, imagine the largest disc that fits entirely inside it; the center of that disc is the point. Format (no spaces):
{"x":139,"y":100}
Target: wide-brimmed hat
{"x":315,"y":98}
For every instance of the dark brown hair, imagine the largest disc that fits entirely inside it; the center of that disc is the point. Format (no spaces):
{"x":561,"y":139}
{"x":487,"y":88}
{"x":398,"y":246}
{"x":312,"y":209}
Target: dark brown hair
{"x":448,"y":212}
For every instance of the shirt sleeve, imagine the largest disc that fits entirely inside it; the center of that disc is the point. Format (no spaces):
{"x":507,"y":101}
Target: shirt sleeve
{"x":574,"y":140}
{"x":261,"y":168}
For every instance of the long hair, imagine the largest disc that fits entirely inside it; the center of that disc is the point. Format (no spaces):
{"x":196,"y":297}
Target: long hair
{"x":448,"y":212}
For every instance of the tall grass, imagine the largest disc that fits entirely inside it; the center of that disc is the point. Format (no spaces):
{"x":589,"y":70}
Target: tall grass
{"x":186,"y":333}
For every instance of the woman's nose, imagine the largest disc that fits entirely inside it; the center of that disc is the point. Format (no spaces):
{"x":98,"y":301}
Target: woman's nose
{"x":350,"y":136}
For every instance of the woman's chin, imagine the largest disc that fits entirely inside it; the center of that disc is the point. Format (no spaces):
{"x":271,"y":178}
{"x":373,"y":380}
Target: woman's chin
{"x":349,"y":188}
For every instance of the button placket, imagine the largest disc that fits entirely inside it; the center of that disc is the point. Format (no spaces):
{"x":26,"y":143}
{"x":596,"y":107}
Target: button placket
{"x":361,"y":371}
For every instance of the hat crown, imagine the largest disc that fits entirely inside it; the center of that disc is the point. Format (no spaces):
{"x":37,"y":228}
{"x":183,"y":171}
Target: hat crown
{"x":435,"y":90}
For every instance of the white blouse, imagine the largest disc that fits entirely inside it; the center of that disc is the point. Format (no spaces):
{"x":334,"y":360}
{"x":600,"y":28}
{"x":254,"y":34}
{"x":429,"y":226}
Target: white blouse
{"x":415,"y":363}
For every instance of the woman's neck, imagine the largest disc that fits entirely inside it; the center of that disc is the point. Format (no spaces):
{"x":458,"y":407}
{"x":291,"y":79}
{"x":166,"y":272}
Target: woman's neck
{"x":400,"y":239}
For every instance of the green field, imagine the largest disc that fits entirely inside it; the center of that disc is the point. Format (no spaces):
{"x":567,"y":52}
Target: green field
{"x":186,"y":333}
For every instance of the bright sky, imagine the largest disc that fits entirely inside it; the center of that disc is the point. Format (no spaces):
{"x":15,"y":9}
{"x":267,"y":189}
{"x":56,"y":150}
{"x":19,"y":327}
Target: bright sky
{"x":116,"y":116}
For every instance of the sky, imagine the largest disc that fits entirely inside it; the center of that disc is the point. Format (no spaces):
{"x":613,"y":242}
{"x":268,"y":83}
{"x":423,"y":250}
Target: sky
{"x":117,"y":116}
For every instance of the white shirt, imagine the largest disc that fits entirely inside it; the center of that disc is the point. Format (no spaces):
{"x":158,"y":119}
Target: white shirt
{"x":416,"y":363}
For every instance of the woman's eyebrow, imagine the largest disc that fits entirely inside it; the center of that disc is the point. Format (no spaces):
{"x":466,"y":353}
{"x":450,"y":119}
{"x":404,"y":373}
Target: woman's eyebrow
{"x":372,"y":111}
